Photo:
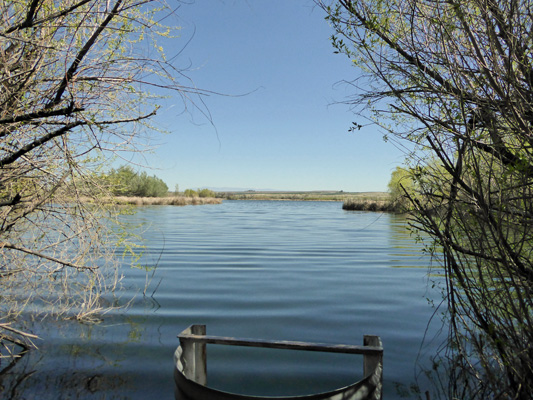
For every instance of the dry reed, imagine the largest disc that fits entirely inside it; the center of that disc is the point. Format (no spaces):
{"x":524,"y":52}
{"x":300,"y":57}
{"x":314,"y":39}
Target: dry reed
{"x":162,"y":201}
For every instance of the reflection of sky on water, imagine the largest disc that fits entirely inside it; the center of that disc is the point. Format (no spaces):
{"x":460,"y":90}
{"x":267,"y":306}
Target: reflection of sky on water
{"x":270,"y":270}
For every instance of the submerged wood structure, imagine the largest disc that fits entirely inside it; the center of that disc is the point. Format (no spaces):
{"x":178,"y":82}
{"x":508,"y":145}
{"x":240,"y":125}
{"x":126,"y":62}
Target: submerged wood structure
{"x":190,"y":372}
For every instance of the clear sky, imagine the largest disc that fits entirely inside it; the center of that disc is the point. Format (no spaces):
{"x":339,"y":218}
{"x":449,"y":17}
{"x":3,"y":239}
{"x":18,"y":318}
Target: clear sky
{"x":287,"y":133}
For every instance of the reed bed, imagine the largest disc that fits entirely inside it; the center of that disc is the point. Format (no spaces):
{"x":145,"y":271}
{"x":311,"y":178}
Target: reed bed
{"x":162,"y":201}
{"x":355,"y":204}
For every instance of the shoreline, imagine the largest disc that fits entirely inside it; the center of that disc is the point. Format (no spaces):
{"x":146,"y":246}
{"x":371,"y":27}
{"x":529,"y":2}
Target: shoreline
{"x":162,"y":201}
{"x":365,"y":201}
{"x":304,"y":196}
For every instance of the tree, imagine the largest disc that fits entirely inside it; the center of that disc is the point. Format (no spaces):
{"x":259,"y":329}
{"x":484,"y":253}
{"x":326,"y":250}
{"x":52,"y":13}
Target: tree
{"x":205,"y":193}
{"x":401,"y":186}
{"x":120,"y":180}
{"x":149,"y":186}
{"x":190,"y":193}
{"x":74,"y":79}
{"x":124,"y":181}
{"x":456,"y":79}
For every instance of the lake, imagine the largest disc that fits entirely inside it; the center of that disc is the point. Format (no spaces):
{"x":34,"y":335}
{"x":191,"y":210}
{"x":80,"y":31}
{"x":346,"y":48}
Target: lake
{"x":305,"y":271}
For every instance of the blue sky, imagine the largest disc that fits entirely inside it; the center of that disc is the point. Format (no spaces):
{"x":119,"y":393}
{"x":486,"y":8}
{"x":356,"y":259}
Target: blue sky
{"x":277,"y":124}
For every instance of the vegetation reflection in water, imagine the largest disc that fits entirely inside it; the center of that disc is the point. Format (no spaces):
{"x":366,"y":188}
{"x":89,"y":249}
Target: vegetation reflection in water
{"x":272,"y":270}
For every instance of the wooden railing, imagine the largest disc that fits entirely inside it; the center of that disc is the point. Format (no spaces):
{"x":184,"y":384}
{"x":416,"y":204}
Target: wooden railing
{"x":193,"y":342}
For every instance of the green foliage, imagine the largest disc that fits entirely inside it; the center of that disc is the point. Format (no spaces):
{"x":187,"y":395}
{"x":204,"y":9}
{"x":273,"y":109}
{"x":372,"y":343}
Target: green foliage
{"x":124,"y":181}
{"x":199,"y":193}
{"x":75,"y":78}
{"x":453,"y":78}
{"x":401,"y":187}
{"x":206,"y":193}
{"x":190,"y":193}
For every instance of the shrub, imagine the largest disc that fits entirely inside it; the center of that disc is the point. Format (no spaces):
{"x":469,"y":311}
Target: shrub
{"x":190,"y":193}
{"x":124,"y":181}
{"x":206,"y":193}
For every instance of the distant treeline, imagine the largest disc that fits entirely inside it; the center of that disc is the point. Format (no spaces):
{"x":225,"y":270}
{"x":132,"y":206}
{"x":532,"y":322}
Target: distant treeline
{"x":124,"y":181}
{"x":199,"y":193}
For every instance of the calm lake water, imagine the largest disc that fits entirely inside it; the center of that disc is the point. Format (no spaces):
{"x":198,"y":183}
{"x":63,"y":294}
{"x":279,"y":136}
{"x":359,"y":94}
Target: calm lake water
{"x":305,"y":271}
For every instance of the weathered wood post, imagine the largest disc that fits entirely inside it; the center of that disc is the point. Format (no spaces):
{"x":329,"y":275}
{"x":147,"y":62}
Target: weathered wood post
{"x":194,"y":355}
{"x":373,"y":364}
{"x":190,"y":374}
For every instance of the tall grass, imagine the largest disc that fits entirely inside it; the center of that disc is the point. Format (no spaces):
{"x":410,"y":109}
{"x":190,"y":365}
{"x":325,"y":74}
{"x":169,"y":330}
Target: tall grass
{"x":162,"y":201}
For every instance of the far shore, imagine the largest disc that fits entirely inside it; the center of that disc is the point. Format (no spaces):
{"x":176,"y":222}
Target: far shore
{"x":303,"y":195}
{"x":162,"y":201}
{"x":353,"y":201}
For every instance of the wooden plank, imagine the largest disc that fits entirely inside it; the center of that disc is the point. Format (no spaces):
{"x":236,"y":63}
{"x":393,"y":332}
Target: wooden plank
{"x":283,"y":344}
{"x":190,"y":374}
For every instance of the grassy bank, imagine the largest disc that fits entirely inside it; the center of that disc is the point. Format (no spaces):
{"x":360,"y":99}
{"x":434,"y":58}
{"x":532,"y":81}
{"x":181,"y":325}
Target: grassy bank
{"x":163,"y":201}
{"x":301,"y":196}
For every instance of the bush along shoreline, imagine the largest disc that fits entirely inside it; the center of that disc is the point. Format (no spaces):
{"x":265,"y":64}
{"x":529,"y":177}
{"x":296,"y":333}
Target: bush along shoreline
{"x":371,"y":205}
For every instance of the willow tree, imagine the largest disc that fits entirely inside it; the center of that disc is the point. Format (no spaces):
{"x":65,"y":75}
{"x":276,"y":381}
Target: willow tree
{"x":456,"y":79}
{"x":75,"y":81}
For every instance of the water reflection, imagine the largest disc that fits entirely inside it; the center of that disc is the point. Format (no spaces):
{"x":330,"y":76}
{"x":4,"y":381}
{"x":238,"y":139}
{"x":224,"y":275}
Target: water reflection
{"x":28,"y":381}
{"x":267,"y":270}
{"x":76,"y":361}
